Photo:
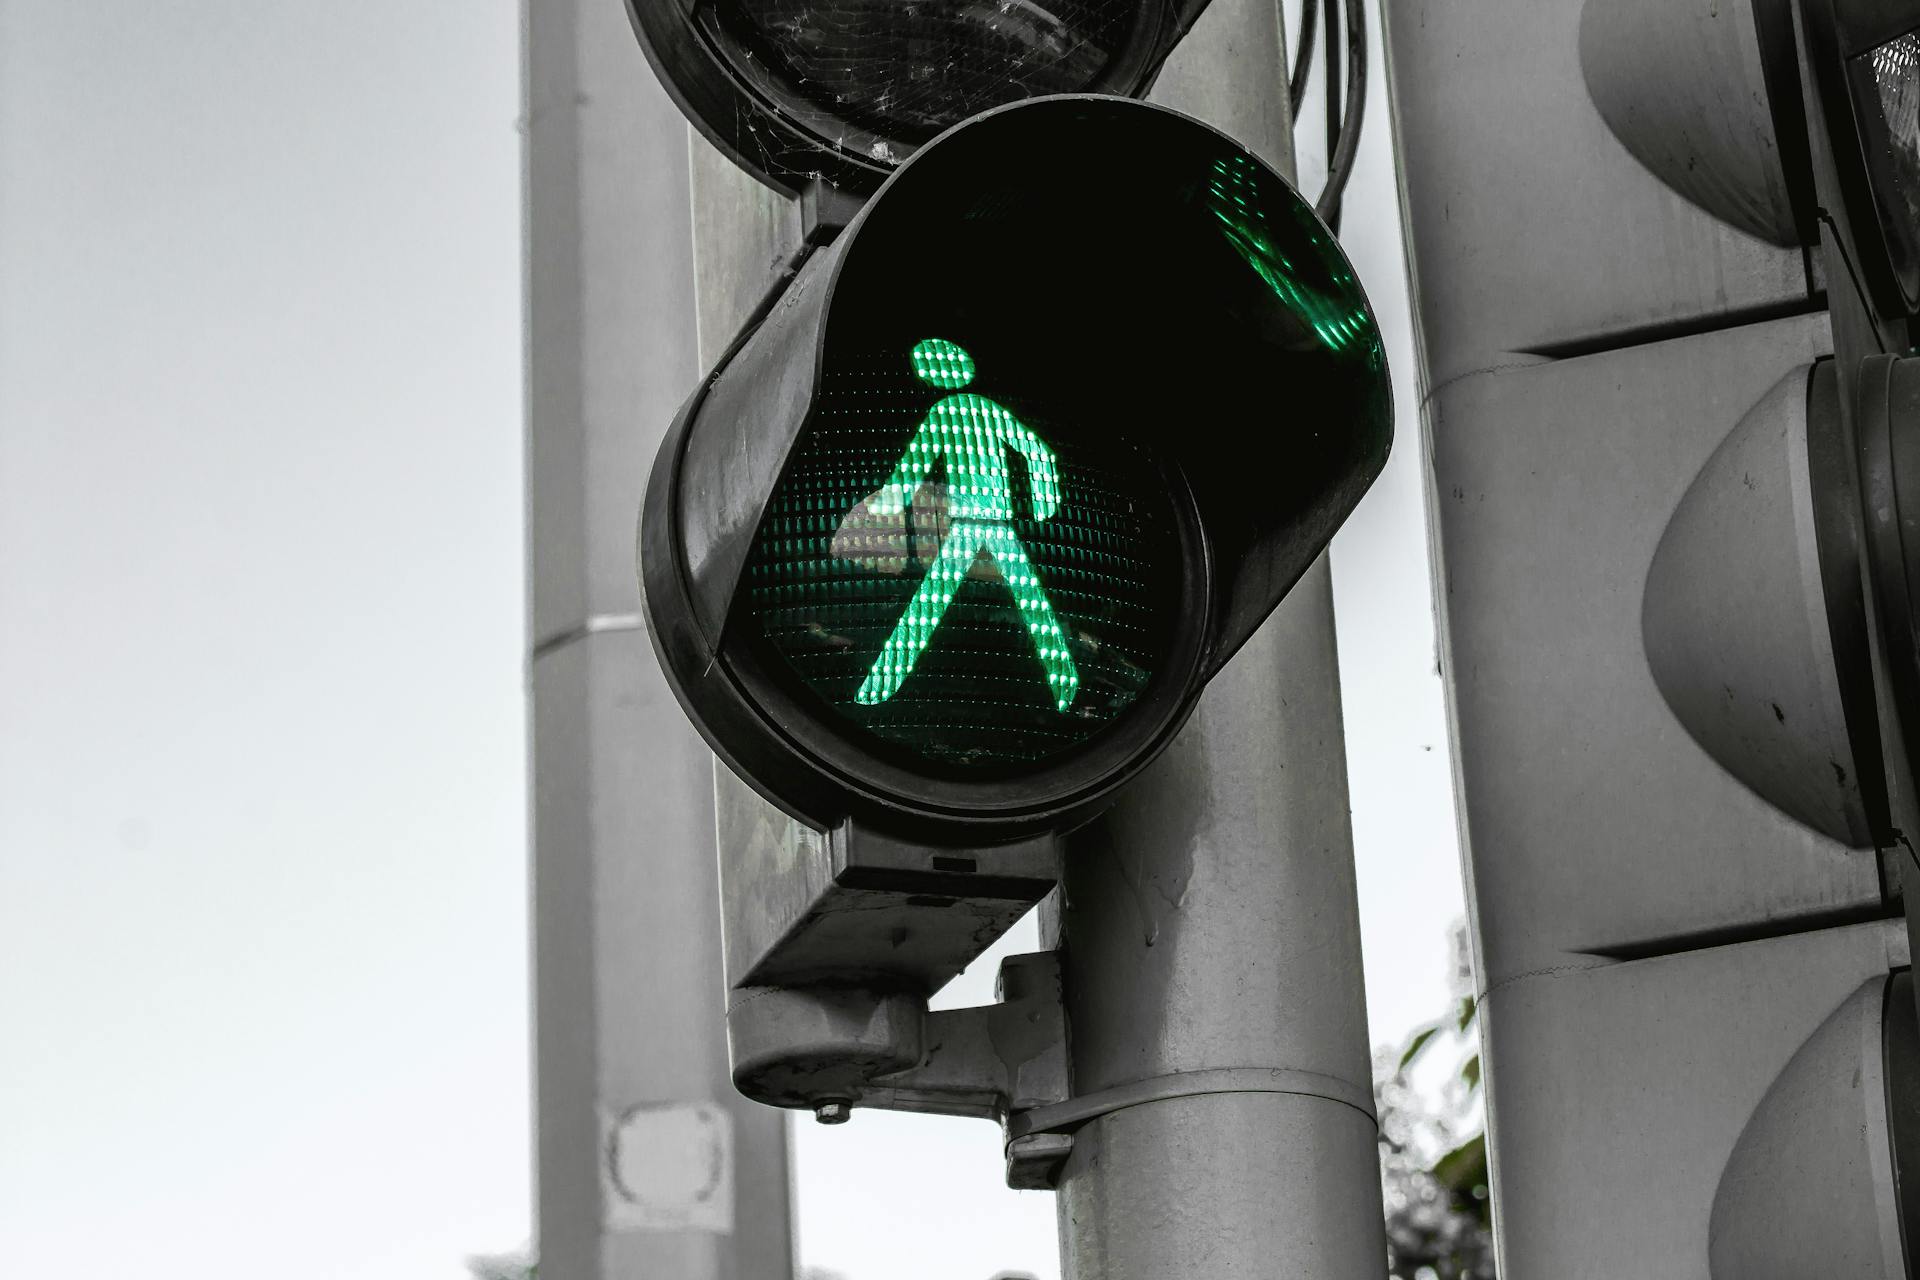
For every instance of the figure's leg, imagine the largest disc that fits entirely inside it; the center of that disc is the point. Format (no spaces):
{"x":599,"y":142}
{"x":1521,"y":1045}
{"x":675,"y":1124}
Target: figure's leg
{"x":923,"y":614}
{"x":1003,"y":544}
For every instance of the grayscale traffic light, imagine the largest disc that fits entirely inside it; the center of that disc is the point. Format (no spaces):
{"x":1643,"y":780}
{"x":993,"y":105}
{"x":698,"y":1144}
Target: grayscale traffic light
{"x":1662,"y":324}
{"x":1810,"y":141}
{"x":1778,"y":612}
{"x":1825,"y":1179}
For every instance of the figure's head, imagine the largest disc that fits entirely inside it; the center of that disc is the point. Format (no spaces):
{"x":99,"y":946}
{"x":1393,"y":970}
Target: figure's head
{"x":942,"y":364}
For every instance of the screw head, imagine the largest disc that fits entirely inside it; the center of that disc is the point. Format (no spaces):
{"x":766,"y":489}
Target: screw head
{"x":833,"y":1111}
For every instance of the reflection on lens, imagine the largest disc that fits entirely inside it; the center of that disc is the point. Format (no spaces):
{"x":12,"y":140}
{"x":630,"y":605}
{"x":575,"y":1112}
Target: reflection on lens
{"x":960,"y":571}
{"x":1893,"y":148}
{"x":907,"y":69}
{"x":1038,"y":427}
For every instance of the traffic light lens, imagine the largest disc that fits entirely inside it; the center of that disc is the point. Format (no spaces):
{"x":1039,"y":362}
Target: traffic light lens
{"x":908,"y":70}
{"x":962,"y":526}
{"x":1234,"y":196}
{"x":969,"y":577}
{"x":1886,"y":91}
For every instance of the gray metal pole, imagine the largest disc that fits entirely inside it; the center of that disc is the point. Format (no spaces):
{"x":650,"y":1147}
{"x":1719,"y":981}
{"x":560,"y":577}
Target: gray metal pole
{"x":649,"y":1163}
{"x":1210,"y":925}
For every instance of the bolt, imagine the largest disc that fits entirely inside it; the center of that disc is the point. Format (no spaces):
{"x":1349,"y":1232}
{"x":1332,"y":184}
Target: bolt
{"x":833,"y":1111}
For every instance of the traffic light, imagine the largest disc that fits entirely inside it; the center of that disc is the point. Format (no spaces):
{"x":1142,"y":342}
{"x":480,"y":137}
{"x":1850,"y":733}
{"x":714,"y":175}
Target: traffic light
{"x":1663,"y":327}
{"x":1821,"y":148}
{"x":1863,"y":60}
{"x":845,"y":92}
{"x":952,"y":539}
{"x":943,"y":551}
{"x":1839,"y":1127}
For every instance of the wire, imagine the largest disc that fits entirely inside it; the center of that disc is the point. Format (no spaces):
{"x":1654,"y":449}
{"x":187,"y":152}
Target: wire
{"x":1330,"y":77}
{"x":1302,"y":57}
{"x":1343,"y":141}
{"x":1859,"y":290}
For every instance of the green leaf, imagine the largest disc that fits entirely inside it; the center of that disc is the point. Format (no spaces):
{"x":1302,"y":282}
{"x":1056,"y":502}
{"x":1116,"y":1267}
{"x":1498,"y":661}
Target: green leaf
{"x":1471,"y":1072}
{"x":1463,"y":1168}
{"x":1420,"y":1041}
{"x":1463,"y":1172}
{"x":1467,"y":1009}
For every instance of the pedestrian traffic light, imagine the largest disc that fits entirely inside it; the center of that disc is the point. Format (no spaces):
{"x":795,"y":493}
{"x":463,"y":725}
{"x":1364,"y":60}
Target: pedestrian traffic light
{"x":952,"y":538}
{"x":846,"y":90}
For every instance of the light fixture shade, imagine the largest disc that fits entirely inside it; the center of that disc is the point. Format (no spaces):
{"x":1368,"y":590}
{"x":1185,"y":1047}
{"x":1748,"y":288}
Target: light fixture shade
{"x":1752,"y":617}
{"x":1810,"y":1187}
{"x":1704,"y":93}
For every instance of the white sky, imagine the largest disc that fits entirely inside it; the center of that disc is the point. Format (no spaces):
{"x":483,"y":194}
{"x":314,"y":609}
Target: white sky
{"x":262,"y":830}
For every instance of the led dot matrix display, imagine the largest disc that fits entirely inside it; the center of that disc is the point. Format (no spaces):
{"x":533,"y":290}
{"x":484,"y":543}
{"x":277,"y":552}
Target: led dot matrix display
{"x":1053,"y":456}
{"x":954,"y":578}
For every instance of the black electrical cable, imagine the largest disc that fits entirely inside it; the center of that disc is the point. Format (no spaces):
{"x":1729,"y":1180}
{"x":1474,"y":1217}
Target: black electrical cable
{"x":1302,"y":57}
{"x":1330,"y":77}
{"x":1344,"y":142}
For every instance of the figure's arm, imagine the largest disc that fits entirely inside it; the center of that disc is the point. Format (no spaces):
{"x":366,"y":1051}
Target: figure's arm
{"x":1043,"y":476}
{"x":915,"y":463}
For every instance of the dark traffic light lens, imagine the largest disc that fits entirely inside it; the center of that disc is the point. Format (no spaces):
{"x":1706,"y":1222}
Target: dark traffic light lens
{"x":985,"y":549}
{"x":906,"y":69}
{"x":973,"y":576}
{"x":1886,"y":90}
{"x":957,"y":532}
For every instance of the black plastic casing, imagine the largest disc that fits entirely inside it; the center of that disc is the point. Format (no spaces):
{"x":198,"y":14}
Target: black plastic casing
{"x":1247,"y":537}
{"x":1837,"y":31}
{"x":725,"y":96}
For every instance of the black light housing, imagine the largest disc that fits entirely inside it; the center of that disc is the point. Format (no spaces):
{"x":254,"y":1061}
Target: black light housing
{"x":1865,"y":57}
{"x":1190,"y":347}
{"x":844,"y":91}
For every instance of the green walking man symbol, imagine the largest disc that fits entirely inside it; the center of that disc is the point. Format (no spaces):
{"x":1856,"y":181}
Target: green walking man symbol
{"x":973,"y":435}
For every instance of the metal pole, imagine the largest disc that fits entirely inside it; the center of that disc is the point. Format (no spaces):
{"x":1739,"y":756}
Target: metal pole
{"x":1209,"y":922}
{"x":649,"y":1163}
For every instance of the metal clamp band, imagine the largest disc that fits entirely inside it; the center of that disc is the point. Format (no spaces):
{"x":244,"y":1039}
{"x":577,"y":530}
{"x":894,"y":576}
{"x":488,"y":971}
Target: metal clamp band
{"x":1065,"y":1116}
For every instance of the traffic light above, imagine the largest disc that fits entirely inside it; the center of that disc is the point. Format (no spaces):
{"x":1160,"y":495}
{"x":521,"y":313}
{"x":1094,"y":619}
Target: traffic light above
{"x":1865,"y":58}
{"x":846,"y":90}
{"x":953,"y":538}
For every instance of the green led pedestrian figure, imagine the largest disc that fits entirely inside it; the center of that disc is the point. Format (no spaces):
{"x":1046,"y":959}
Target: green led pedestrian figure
{"x":973,"y":435}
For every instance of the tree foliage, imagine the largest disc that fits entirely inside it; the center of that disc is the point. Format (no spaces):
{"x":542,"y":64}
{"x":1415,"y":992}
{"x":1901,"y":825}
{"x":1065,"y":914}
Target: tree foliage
{"x":504,"y":1266}
{"x":1433,"y":1147}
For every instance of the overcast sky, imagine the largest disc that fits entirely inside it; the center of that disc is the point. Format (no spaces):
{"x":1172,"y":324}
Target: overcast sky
{"x":262,"y":770}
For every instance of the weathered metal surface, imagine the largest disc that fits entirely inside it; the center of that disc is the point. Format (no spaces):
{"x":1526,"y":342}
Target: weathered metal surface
{"x":1532,"y":227}
{"x":1619,"y":1093}
{"x":1735,"y":615}
{"x":1683,"y":86}
{"x":802,"y":907}
{"x":1596,"y":824}
{"x":1825,"y":1116}
{"x":994,"y":1060}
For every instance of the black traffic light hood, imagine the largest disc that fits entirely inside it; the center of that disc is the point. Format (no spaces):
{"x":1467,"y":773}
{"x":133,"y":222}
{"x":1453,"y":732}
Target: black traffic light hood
{"x":728,"y":66}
